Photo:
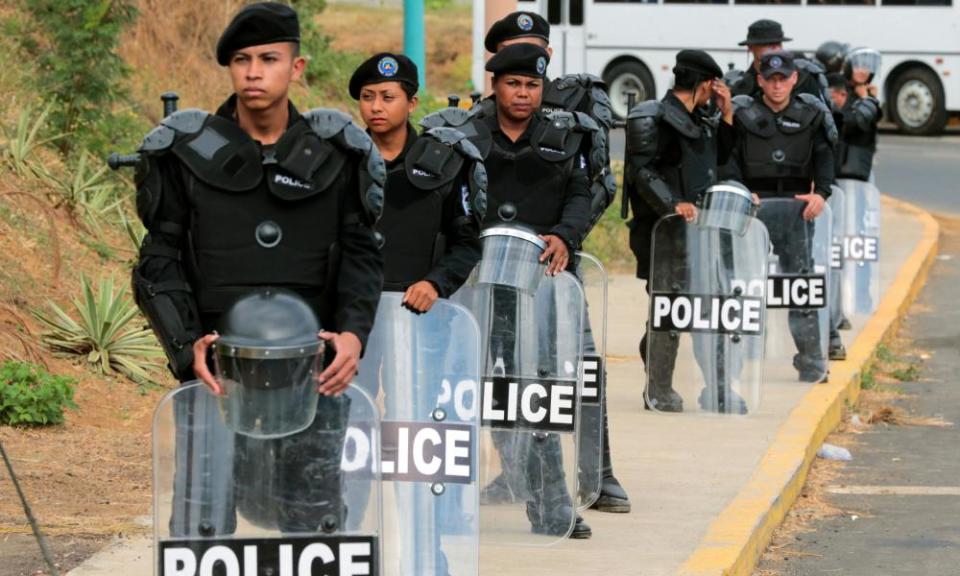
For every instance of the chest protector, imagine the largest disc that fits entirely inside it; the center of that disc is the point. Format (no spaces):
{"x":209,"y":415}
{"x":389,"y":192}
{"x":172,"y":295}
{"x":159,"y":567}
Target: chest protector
{"x":534,"y":178}
{"x":778,"y":146}
{"x":262,"y":217}
{"x":697,"y":169}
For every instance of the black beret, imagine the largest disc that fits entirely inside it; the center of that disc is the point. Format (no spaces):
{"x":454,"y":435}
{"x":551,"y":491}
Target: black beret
{"x":524,"y":59}
{"x":765,"y":32}
{"x":517,"y":25}
{"x":777,"y":62}
{"x":700,"y":62}
{"x":385,"y":67}
{"x":256,"y":24}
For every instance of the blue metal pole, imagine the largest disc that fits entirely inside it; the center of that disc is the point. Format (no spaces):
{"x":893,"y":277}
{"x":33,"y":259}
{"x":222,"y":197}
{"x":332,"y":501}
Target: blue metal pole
{"x":414,"y":36}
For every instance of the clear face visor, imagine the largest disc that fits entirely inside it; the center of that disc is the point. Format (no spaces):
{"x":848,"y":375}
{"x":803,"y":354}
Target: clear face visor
{"x":727,"y":207}
{"x":511,"y":257}
{"x":268,"y":392}
{"x":864,"y":63}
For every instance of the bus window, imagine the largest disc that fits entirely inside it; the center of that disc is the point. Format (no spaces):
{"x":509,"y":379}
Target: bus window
{"x":917,"y":3}
{"x":576,"y":12}
{"x":630,"y":1}
{"x":554,"y":11}
{"x":841,"y":2}
{"x":767,"y":1}
{"x":696,"y":1}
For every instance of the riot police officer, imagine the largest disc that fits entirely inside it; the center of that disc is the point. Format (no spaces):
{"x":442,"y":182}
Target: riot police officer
{"x":537,"y":177}
{"x":435,"y":194}
{"x":785,"y":150}
{"x":861,"y":114}
{"x":587,"y":94}
{"x":765,"y":36}
{"x":258,"y":195}
{"x":674,"y":148}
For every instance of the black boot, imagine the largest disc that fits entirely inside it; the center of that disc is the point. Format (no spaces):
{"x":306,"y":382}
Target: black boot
{"x":613,"y":498}
{"x":550,"y":507}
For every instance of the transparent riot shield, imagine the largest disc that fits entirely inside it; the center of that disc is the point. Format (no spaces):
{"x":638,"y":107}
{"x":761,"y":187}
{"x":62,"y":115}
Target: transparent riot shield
{"x":425,"y":370}
{"x":229,"y":503}
{"x":593,"y":403}
{"x":837,"y":209}
{"x":798,"y":291}
{"x":532,"y":345}
{"x":861,"y":247}
{"x":706,"y":323}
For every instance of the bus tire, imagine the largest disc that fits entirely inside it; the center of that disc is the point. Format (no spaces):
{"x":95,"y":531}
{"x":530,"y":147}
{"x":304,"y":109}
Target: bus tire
{"x":628,"y":76}
{"x":916,"y":102}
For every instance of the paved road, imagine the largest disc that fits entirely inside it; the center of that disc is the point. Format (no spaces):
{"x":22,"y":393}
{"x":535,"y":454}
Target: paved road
{"x":914,"y":528}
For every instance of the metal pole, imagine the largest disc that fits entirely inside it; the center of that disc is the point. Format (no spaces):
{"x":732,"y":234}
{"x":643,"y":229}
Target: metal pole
{"x":44,"y":550}
{"x":414,"y":37}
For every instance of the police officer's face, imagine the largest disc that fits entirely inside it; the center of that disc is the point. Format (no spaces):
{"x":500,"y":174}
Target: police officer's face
{"x":518,"y":96}
{"x":839,"y":97}
{"x":262,"y":74}
{"x":778,"y":87}
{"x":385,"y":107}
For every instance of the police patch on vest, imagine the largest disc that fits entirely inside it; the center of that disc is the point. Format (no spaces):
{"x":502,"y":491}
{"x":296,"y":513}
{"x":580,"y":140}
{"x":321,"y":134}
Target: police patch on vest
{"x":591,"y":367}
{"x":291,"y":182}
{"x":287,"y":556}
{"x":436,"y":452}
{"x":861,"y":248}
{"x":528,"y":404}
{"x":797,"y":292}
{"x":670,"y":312}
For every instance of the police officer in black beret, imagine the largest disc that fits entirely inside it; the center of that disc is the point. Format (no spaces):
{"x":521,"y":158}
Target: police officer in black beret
{"x":432,"y":212}
{"x":797,"y":132}
{"x":586,"y":94}
{"x":258,"y":195}
{"x":766,"y":36}
{"x":537,"y":177}
{"x":674,"y":149}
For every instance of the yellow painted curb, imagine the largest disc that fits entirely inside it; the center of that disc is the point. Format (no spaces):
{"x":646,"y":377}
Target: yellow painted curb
{"x":736,"y":539}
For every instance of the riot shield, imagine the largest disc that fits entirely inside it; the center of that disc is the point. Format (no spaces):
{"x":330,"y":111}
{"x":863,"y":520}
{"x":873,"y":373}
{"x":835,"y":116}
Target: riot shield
{"x":532,"y":344}
{"x":861,"y":247}
{"x":593,"y":403}
{"x":230,"y":503}
{"x":425,"y":369}
{"x":837,"y":210}
{"x":706,"y":323}
{"x":797,"y":294}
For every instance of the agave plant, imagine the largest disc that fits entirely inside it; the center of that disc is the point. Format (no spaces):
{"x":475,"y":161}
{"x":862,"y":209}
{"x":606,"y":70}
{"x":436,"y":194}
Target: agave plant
{"x":107,"y":334}
{"x":21,"y":143}
{"x":86,"y":191}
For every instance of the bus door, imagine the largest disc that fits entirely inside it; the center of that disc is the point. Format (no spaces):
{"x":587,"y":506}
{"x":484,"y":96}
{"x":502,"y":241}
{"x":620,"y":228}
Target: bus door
{"x":567,"y":33}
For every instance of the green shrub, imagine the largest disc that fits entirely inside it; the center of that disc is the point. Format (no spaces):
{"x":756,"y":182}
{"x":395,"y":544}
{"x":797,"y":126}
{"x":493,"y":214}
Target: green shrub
{"x":29,"y":396}
{"x":74,"y":46}
{"x":107,"y":335}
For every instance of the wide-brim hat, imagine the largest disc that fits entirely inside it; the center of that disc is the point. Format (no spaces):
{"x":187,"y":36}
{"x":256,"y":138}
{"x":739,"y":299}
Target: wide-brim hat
{"x":764,"y":32}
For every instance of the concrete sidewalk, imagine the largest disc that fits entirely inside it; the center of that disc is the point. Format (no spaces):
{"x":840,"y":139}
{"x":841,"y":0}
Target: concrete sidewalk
{"x":693,"y":480}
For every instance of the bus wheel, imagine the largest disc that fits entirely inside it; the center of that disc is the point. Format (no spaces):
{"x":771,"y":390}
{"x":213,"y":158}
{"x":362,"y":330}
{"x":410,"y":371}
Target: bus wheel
{"x":625,"y":78}
{"x":917,"y":104}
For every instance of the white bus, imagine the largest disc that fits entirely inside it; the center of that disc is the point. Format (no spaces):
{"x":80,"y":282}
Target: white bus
{"x":631,"y":44}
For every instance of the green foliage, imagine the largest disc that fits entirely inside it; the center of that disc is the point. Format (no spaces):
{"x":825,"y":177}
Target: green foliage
{"x":908,"y":373}
{"x":610,"y":240}
{"x":107,"y":335}
{"x":438,"y":4}
{"x":327,"y":69}
{"x":868,"y":381}
{"x":73,"y":43}
{"x":86,"y":190}
{"x":29,"y":396}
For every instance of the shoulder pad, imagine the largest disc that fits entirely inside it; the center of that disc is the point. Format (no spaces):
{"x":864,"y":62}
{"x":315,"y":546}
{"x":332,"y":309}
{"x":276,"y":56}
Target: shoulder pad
{"x":810,"y":66}
{"x":647,"y":109}
{"x":557,"y":137}
{"x":680,"y":120}
{"x":457,"y":139}
{"x":326,"y":122}
{"x":188,"y":121}
{"x":339,"y":128}
{"x":219,"y":153}
{"x":182,"y":123}
{"x":585,"y":122}
{"x":447,"y":117}
{"x":742,"y":101}
{"x":484,"y":107}
{"x":827,"y":121}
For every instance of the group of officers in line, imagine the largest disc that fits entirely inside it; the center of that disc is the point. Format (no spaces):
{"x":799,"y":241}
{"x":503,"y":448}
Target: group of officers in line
{"x":313,"y":203}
